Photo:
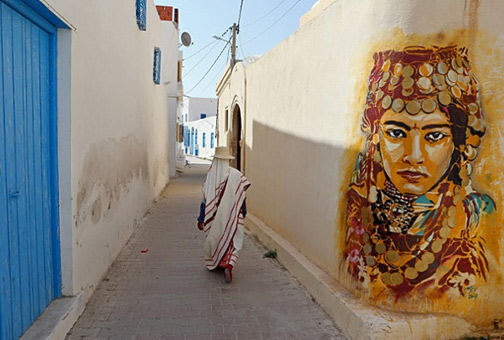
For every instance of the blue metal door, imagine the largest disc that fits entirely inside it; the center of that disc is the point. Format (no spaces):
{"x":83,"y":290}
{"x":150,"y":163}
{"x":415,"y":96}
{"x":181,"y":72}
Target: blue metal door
{"x":29,"y":235}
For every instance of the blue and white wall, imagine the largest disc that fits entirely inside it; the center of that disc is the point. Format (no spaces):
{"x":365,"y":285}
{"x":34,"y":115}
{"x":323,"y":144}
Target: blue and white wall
{"x":199,"y":137}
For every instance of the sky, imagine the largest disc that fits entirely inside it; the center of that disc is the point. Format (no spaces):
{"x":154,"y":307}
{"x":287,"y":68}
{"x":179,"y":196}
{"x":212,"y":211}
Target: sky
{"x":263,"y":25}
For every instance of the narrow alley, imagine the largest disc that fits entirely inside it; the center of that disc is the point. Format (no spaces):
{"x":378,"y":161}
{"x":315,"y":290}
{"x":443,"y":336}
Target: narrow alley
{"x":159,"y":288}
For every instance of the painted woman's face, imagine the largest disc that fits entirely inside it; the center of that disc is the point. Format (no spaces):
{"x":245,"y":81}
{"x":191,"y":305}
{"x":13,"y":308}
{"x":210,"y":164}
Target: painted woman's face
{"x":416,"y":150}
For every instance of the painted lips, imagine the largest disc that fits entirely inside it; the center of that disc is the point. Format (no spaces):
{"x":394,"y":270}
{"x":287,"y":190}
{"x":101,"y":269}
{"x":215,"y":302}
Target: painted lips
{"x":412,"y":176}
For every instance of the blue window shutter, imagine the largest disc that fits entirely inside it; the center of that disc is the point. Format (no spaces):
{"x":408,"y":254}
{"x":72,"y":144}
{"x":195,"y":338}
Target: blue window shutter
{"x":141,"y":14}
{"x":212,"y":140}
{"x":202,"y":115}
{"x":204,"y":142}
{"x":157,"y":66}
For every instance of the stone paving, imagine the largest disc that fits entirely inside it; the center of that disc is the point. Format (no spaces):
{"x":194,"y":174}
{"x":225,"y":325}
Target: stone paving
{"x":167,"y":293}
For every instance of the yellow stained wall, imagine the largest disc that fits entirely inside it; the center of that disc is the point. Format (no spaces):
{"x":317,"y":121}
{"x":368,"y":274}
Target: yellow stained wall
{"x":304,"y":103}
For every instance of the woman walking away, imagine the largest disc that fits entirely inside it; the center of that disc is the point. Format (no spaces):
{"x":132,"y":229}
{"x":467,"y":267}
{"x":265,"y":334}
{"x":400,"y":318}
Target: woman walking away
{"x":222,"y":212}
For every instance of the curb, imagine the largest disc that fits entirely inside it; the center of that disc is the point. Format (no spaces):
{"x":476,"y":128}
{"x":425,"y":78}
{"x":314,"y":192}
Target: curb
{"x":355,"y":318}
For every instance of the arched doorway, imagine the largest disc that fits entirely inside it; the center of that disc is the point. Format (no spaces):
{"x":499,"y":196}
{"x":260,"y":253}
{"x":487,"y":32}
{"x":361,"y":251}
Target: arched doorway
{"x":235,"y":143}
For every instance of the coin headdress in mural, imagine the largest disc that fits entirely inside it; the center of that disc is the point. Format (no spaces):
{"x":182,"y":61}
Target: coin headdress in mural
{"x":399,"y":236}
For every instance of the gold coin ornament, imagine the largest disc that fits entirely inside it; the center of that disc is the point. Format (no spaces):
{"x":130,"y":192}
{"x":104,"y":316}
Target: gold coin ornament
{"x":392,"y":257}
{"x":429,"y":105}
{"x":396,"y":278}
{"x":438,"y":79}
{"x":444,"y":98}
{"x":424,"y":84}
{"x":473,"y":108}
{"x":386,"y":278}
{"x":411,"y":273}
{"x":380,"y":248}
{"x":365,"y":237}
{"x":444,"y":232}
{"x":408,"y":71}
{"x":386,"y":102}
{"x":368,"y":249}
{"x":426,"y":70}
{"x":421,"y":266}
{"x":407,"y":83}
{"x":398,"y":105}
{"x":370,"y":260}
{"x":386,"y":76}
{"x":413,"y":107}
{"x":428,"y":257}
{"x":442,"y":67}
{"x":398,"y":69}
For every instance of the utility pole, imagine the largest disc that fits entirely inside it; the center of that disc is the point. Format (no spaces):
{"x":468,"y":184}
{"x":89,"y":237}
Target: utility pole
{"x":233,"y":47}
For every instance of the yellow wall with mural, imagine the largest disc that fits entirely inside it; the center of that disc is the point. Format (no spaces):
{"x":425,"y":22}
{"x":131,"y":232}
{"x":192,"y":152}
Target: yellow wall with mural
{"x":304,"y":103}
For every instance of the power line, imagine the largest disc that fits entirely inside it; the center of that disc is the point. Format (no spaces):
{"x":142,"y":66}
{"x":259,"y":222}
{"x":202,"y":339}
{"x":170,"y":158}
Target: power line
{"x":213,"y":80}
{"x":264,"y":16}
{"x":242,"y":51}
{"x":257,"y":36}
{"x":199,"y":62}
{"x":239,"y":15}
{"x":201,"y":49}
{"x":218,"y":57}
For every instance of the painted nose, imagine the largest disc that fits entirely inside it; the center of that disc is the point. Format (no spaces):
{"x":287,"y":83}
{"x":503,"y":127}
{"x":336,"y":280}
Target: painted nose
{"x":414,"y":153}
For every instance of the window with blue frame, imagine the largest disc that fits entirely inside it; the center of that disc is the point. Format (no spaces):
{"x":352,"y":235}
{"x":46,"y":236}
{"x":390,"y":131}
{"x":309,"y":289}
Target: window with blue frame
{"x":196,"y":137}
{"x":202,"y":115}
{"x":157,"y":66}
{"x":203,"y":141}
{"x":141,"y":14}
{"x":212,"y":140}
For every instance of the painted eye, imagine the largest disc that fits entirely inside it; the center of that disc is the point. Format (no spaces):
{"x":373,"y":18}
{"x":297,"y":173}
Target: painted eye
{"x":435,"y":136}
{"x":396,"y":133}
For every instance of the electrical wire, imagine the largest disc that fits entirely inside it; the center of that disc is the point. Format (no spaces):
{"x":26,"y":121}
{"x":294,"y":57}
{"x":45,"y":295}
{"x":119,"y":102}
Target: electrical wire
{"x":201,"y":49}
{"x":213,"y":64}
{"x":264,"y":16}
{"x":240,"y":13}
{"x":199,"y":62}
{"x":257,"y":36}
{"x":213,"y":80}
{"x":242,"y":51}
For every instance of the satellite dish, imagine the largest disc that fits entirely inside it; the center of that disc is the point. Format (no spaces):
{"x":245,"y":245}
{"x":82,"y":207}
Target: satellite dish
{"x":186,"y":39}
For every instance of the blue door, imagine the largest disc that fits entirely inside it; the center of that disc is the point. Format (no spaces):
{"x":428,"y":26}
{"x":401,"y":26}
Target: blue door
{"x":29,"y":231}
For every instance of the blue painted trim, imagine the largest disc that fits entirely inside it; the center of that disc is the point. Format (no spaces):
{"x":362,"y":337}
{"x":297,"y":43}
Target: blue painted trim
{"x":141,"y":14}
{"x":156,"y":73}
{"x":55,"y":227}
{"x":37,"y":13}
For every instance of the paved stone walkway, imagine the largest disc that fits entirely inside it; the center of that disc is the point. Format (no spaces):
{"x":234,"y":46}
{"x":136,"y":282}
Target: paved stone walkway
{"x":167,"y":293}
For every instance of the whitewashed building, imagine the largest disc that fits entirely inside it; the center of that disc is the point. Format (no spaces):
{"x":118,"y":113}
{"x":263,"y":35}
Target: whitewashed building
{"x":199,"y":120}
{"x":88,"y":89}
{"x":201,"y":140}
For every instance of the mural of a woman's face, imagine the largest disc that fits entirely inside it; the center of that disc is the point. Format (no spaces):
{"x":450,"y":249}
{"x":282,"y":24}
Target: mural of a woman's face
{"x":416,"y":150}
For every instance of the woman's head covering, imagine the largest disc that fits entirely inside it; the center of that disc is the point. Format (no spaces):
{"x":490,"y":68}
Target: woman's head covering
{"x":217,"y":174}
{"x":419,"y":79}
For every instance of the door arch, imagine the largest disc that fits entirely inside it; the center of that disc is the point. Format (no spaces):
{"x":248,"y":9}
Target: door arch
{"x":235,"y":144}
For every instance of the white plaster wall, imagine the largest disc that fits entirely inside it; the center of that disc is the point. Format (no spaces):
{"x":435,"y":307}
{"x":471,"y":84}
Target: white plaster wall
{"x":194,"y":106}
{"x":300,"y":107}
{"x":206,"y":126}
{"x":232,"y":95}
{"x":118,"y":156}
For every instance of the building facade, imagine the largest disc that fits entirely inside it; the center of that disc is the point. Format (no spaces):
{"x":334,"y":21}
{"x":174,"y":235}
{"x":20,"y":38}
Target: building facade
{"x":86,"y":102}
{"x":199,"y":120}
{"x":371,"y":149}
{"x":200,"y":138}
